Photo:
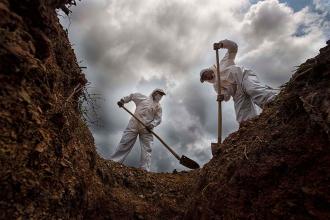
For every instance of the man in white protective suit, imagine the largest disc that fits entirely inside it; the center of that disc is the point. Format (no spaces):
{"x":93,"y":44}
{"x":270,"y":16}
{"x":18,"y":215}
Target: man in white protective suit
{"x":149,"y":111}
{"x":239,"y":83}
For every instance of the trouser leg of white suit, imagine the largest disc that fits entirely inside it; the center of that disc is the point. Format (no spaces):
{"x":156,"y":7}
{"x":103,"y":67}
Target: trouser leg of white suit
{"x":146,"y":142}
{"x":125,"y":145}
{"x":260,"y":94}
{"x":244,"y":107}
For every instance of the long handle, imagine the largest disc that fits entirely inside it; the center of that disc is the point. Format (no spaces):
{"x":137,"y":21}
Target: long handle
{"x":168,"y":147}
{"x":219,"y":102}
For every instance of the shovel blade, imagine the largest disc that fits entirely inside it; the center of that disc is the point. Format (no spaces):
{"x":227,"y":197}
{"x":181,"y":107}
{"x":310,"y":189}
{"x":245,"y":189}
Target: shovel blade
{"x":187,"y":162}
{"x":214,"y":148}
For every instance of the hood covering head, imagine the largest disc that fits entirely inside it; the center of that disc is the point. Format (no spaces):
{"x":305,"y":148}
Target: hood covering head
{"x":161,"y":91}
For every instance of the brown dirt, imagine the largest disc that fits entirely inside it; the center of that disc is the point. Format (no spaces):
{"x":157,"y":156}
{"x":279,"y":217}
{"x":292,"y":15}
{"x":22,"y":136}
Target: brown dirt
{"x":275,"y":167}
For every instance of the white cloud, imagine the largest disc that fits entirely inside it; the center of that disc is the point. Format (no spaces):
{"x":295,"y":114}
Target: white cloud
{"x":273,"y":47}
{"x":139,"y":45}
{"x":267,"y":20}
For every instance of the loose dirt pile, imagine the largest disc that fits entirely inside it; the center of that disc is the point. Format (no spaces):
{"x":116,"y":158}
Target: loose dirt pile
{"x":275,"y":167}
{"x":49,"y":166}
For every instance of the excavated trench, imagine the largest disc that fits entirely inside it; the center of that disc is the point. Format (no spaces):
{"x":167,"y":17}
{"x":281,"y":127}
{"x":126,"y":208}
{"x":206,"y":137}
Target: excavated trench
{"x":275,"y":167}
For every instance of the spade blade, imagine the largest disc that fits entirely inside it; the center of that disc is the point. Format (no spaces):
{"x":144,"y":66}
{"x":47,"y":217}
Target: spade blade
{"x":187,"y":162}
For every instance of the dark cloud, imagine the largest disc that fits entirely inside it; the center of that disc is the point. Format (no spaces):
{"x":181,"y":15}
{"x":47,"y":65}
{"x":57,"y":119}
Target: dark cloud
{"x":136,"y":46}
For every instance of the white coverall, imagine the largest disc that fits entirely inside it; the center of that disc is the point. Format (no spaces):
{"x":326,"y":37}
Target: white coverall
{"x":242,"y":84}
{"x":147,"y":111}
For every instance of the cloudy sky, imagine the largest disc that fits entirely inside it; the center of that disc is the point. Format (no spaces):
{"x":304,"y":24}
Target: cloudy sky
{"x":135,"y":46}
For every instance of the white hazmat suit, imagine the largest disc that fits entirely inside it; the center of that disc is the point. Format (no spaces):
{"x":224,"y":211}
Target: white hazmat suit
{"x":242,"y":84}
{"x":148,"y":111}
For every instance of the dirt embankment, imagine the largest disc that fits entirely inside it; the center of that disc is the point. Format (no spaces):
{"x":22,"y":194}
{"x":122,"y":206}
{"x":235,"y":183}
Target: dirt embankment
{"x":275,"y":167}
{"x":49,"y":166}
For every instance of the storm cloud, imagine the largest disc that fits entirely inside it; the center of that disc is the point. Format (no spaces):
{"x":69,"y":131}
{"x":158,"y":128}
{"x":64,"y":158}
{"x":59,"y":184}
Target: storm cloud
{"x":136,"y":46}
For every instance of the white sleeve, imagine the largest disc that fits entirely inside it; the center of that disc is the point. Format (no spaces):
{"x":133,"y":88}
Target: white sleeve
{"x":135,"y":97}
{"x":158,"y":117}
{"x":128,"y":98}
{"x":232,"y":48}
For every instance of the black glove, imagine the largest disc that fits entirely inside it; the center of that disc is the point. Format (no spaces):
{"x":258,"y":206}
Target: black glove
{"x":150,"y":127}
{"x":220,"y":98}
{"x":217,"y":46}
{"x":120,"y":103}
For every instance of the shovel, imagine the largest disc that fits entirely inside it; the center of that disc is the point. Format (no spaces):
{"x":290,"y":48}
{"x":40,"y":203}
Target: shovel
{"x":216,"y":146}
{"x":185,"y":161}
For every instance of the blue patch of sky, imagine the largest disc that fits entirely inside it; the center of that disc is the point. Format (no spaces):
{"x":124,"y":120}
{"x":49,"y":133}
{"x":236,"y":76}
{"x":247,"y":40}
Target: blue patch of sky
{"x":296,"y":5}
{"x":301,"y":31}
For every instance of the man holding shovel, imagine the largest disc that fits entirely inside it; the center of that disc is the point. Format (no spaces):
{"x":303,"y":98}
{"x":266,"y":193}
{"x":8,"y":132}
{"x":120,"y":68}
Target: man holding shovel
{"x":239,"y":83}
{"x":148,"y":111}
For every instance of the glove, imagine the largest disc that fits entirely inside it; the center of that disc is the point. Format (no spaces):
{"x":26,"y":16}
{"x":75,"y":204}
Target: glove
{"x":150,"y":127}
{"x":120,"y":103}
{"x":220,"y":98}
{"x":217,"y":46}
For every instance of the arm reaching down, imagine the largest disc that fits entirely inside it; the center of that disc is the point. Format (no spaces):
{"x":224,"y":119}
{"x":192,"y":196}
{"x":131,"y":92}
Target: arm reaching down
{"x":158,"y":118}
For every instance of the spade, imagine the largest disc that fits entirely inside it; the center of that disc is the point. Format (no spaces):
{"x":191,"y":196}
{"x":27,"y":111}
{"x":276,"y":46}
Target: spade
{"x":185,"y":161}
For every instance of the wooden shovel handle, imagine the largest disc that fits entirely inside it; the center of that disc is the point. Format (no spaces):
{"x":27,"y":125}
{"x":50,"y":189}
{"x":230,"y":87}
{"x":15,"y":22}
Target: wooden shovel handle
{"x":219,"y":101}
{"x":168,"y":147}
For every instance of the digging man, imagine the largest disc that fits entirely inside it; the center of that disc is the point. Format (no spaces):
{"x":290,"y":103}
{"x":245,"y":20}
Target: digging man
{"x":149,"y":111}
{"x":239,"y":83}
